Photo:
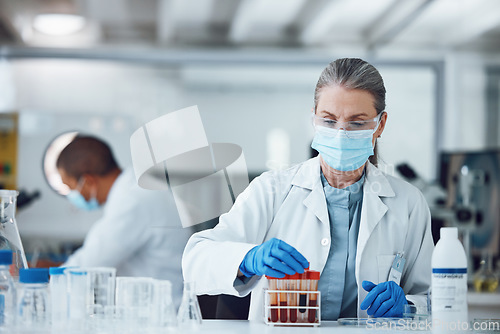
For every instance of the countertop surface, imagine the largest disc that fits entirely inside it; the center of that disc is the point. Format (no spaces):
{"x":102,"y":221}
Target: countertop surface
{"x":251,"y":327}
{"x":244,"y":327}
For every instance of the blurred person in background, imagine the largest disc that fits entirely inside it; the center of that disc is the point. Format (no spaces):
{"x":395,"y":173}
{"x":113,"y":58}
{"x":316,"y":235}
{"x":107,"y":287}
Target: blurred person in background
{"x":140,"y":233}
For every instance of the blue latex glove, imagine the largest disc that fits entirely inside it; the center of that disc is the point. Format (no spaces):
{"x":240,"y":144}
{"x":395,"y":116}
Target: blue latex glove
{"x":386,"y":299}
{"x":273,"y":258}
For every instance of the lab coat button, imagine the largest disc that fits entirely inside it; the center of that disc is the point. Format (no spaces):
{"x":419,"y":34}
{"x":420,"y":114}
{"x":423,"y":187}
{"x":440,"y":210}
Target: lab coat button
{"x":325,"y":241}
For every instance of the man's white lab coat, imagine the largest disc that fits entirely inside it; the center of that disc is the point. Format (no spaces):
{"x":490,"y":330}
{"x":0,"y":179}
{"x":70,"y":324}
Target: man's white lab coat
{"x":140,"y":234}
{"x":291,"y":205}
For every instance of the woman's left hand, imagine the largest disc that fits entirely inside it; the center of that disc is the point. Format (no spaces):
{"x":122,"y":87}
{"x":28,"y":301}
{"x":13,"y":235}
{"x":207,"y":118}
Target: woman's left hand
{"x":386,"y":299}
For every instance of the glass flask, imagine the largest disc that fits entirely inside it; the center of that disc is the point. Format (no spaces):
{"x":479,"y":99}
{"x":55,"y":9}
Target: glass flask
{"x":9,"y":234}
{"x":189,"y":314}
{"x":485,"y":279}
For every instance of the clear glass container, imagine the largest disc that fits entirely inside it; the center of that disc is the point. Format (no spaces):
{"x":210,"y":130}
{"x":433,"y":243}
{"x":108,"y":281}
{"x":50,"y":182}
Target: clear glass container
{"x":59,"y":297}
{"x":485,"y":279}
{"x":33,"y":304}
{"x":90,"y":292}
{"x":7,"y":291}
{"x":164,"y":313}
{"x":9,"y":234}
{"x":135,"y":295}
{"x":189,"y":314}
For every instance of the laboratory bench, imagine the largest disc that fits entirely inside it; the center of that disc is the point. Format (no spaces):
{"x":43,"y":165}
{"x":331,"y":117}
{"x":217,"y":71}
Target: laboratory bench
{"x":252,"y":327}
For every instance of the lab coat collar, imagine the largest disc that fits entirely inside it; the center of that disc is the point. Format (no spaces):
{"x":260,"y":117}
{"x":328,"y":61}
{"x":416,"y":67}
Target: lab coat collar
{"x":308,"y":174}
{"x":376,"y":182}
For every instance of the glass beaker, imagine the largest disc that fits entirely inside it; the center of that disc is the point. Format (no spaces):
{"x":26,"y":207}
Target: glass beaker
{"x":164,"y":315}
{"x":135,"y":295}
{"x":189,"y":314}
{"x":90,"y":291}
{"x":9,"y":234}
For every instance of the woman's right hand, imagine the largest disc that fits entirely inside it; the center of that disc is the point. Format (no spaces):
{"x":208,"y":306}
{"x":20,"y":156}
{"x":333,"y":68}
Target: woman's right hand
{"x":273,"y":258}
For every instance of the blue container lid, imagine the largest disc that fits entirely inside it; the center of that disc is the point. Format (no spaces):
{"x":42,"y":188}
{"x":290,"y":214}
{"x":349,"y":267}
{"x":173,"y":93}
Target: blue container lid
{"x":5,"y":257}
{"x":34,"y":275}
{"x":56,"y":271}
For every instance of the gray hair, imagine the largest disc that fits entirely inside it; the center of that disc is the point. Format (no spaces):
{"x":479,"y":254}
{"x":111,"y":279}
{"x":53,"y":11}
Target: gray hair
{"x":353,"y":73}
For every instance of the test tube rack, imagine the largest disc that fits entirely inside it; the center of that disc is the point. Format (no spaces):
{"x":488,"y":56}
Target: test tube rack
{"x":302,"y":314}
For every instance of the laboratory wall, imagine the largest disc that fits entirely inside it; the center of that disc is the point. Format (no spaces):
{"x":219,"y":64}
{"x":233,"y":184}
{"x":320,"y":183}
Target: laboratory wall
{"x":264,"y":108}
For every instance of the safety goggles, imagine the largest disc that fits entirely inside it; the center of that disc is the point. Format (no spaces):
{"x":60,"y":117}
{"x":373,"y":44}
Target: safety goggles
{"x":370,"y":124}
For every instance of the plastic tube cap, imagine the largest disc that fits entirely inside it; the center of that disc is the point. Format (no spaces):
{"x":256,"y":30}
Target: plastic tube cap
{"x":34,"y":275}
{"x":313,"y":275}
{"x":449,"y":232}
{"x":5,"y":257}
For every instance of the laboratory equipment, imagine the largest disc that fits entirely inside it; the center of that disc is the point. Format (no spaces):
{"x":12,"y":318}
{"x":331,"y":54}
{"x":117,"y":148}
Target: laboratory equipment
{"x":313,"y":277}
{"x":449,"y":279}
{"x":33,"y":304}
{"x":189,"y":314}
{"x":293,"y":297}
{"x":135,"y":295}
{"x":90,"y":291}
{"x":485,"y":280}
{"x":293,"y":300}
{"x":415,"y":312}
{"x":7,"y":290}
{"x":164,"y":314}
{"x":472,"y":181}
{"x":58,"y":296}
{"x":9,"y":234}
{"x":273,"y":298}
{"x":283,"y":287}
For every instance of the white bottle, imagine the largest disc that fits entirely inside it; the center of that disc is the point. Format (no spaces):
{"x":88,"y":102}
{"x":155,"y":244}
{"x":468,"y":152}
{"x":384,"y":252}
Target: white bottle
{"x":7,"y":291}
{"x":449,"y":283}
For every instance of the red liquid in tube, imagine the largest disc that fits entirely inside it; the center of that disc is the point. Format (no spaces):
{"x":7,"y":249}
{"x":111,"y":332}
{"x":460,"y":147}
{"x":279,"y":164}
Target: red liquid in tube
{"x":313,"y":277}
{"x":294,"y":284}
{"x":273,"y":296}
{"x":283,"y":286}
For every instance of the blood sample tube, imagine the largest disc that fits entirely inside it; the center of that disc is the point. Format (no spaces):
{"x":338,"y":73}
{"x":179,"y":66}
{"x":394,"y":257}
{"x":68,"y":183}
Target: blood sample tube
{"x":294,"y":286}
{"x":283,"y":287}
{"x":303,"y":296}
{"x":313,"y":277}
{"x":273,"y":296}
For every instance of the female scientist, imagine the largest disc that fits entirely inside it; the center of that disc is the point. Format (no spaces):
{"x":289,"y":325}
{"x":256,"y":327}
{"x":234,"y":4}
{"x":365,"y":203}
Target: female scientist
{"x":338,"y":211}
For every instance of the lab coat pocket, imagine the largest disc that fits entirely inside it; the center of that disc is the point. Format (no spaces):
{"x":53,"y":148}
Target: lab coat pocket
{"x":384,"y":266}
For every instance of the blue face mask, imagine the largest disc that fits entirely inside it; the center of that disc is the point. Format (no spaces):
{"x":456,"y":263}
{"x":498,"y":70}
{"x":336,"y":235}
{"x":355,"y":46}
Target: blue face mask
{"x":80,"y":202}
{"x":342,"y":150}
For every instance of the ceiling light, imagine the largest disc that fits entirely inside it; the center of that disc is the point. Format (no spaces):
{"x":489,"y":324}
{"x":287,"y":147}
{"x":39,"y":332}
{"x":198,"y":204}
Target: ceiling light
{"x":58,"y":24}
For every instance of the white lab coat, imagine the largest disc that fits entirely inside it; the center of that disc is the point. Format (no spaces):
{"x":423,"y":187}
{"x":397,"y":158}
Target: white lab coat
{"x":291,"y":205}
{"x":140,"y":234}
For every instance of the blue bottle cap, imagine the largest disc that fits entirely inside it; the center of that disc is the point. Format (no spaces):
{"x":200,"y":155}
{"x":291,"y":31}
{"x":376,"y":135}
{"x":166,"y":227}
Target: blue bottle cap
{"x":34,"y":275}
{"x":5,"y":257}
{"x":56,"y":271}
